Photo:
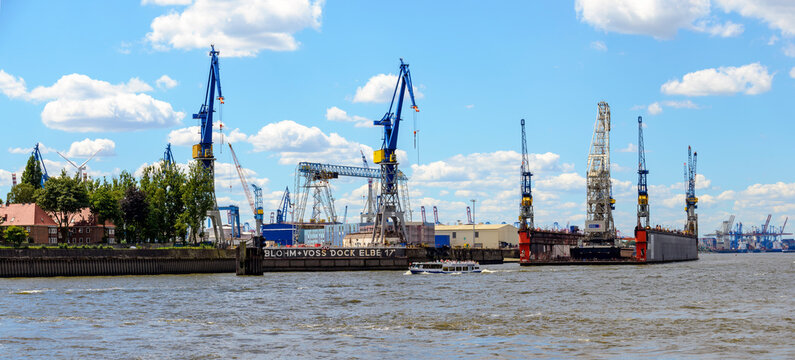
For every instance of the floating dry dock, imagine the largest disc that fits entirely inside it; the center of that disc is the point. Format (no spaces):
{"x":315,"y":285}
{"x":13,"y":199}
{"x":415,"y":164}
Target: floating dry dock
{"x":651,"y":246}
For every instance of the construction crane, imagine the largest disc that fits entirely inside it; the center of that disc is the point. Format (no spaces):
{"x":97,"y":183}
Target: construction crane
{"x":258,"y":212}
{"x":469,"y":216}
{"x":422,"y":211}
{"x":643,"y":194}
{"x":203,"y":151}
{"x":599,"y":226}
{"x":368,"y":214}
{"x":691,"y":227}
{"x":168,"y":157}
{"x":37,"y":155}
{"x":388,"y":202}
{"x":436,"y":216}
{"x":281,"y":212}
{"x":526,"y":207}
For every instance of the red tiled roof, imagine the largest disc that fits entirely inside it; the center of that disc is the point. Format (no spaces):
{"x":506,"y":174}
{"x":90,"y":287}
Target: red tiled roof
{"x":25,"y":215}
{"x":85,"y":215}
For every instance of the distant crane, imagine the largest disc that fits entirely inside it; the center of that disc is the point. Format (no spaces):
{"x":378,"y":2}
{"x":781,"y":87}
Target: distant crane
{"x":368,"y":214}
{"x":691,"y":227}
{"x":436,"y":216}
{"x":37,"y":154}
{"x":168,"y":157}
{"x":252,"y":200}
{"x":643,"y":194}
{"x":80,"y":168}
{"x":234,"y":219}
{"x":203,"y":151}
{"x":388,"y":202}
{"x":422,"y":211}
{"x":469,"y":216}
{"x":599,"y":226}
{"x":281,"y":212}
{"x":526,"y":206}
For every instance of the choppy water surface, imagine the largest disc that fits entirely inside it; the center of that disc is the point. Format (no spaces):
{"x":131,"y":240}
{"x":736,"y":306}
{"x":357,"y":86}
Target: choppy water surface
{"x":722,"y":306}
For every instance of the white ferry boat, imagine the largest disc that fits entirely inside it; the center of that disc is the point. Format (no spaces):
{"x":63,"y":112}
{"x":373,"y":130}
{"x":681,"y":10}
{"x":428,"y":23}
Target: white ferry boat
{"x":444,"y":267}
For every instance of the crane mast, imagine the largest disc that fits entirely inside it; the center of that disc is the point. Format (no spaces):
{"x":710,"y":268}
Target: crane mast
{"x":691,"y":227}
{"x":389,"y":202}
{"x":599,"y":226}
{"x":368,"y":214}
{"x":643,"y":194}
{"x":258,"y":212}
{"x":40,"y":160}
{"x":203,"y":151}
{"x":526,"y":206}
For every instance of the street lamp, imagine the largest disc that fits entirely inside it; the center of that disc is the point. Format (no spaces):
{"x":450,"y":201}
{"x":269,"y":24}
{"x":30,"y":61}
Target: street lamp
{"x":473,"y":222}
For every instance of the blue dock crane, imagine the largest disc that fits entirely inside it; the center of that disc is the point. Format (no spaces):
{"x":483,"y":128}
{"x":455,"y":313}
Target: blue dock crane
{"x":281,"y":212}
{"x":643,"y":194}
{"x":168,"y":157}
{"x":203,"y":151}
{"x":389,"y":202}
{"x":234,"y":219}
{"x":40,"y":160}
{"x":691,"y":200}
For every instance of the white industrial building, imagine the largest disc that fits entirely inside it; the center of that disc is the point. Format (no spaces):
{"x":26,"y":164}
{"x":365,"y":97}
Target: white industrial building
{"x":488,"y":236}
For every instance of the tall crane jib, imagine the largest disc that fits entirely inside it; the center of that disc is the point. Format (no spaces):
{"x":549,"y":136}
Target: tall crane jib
{"x":389,"y":203}
{"x":526,"y":206}
{"x":37,"y":154}
{"x":203,"y":151}
{"x":643,"y":194}
{"x":691,"y":227}
{"x":599,"y":226}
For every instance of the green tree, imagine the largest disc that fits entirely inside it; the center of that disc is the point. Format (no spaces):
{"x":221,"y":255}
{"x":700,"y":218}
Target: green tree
{"x":119,"y":188}
{"x":163,"y":185}
{"x":16,"y":234}
{"x":63,"y":198}
{"x":198,"y":197}
{"x":32,"y":174}
{"x":135,"y":211}
{"x":22,"y":193}
{"x":103,"y":204}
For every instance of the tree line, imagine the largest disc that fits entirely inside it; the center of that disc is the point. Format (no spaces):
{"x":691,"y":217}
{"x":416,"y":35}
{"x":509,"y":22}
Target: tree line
{"x":167,"y":204}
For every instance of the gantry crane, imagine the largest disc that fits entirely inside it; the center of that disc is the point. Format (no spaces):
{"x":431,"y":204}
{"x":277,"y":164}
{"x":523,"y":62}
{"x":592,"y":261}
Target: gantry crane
{"x":691,"y":227}
{"x":203,"y":151}
{"x":389,"y":201}
{"x":599,"y":226}
{"x":643,"y":194}
{"x":253,"y":201}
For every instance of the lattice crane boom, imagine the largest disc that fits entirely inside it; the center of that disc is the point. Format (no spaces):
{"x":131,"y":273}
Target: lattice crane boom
{"x":643,"y":194}
{"x":691,"y":201}
{"x":526,"y":220}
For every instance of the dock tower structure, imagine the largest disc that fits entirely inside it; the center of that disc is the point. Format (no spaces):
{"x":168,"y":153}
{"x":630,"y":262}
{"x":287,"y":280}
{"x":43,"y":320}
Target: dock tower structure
{"x":643,"y":194}
{"x":691,"y":226}
{"x":389,"y":207}
{"x":599,"y":227}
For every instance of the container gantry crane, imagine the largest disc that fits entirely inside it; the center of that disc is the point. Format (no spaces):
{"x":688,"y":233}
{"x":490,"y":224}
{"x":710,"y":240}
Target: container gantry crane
{"x":389,"y":201}
{"x":643,"y":194}
{"x":203,"y":151}
{"x":691,"y":227}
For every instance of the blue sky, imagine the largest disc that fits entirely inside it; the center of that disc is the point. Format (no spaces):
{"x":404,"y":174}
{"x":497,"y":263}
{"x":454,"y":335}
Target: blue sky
{"x":303,"y":79}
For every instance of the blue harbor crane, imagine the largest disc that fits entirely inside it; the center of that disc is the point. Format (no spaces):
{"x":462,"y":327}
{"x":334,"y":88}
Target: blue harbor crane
{"x":643,"y":194}
{"x":203,"y":151}
{"x":691,"y":227}
{"x":40,"y":160}
{"x":168,"y":157}
{"x":526,"y":208}
{"x":388,"y":201}
{"x":258,"y":210}
{"x":281,"y":212}
{"x":234,"y":219}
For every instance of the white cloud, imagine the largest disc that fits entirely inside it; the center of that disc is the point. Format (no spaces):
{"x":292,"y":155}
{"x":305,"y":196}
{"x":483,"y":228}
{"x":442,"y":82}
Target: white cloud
{"x":88,"y":147}
{"x":379,"y":89}
{"x":598,"y":46}
{"x":750,"y":79}
{"x":336,"y":114}
{"x":654,"y":108}
{"x":658,"y":18}
{"x":238,"y":27}
{"x":792,"y":73}
{"x":189,"y":136}
{"x":565,"y":181}
{"x":727,"y":195}
{"x":77,"y":103}
{"x":789,"y":50}
{"x":685,"y":104}
{"x":165,"y":82}
{"x":778,"y":14}
{"x":5,"y":177}
{"x":773,"y":40}
{"x":166,"y":2}
{"x":42,"y":148}
{"x":631,"y":148}
{"x":295,"y":143}
{"x":727,"y":29}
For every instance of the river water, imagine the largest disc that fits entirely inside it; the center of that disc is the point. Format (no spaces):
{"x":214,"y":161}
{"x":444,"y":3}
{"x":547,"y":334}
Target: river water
{"x":722,"y":306}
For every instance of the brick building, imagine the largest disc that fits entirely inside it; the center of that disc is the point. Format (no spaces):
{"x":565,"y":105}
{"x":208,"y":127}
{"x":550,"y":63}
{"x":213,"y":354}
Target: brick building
{"x":39,"y":225}
{"x":84,"y":229}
